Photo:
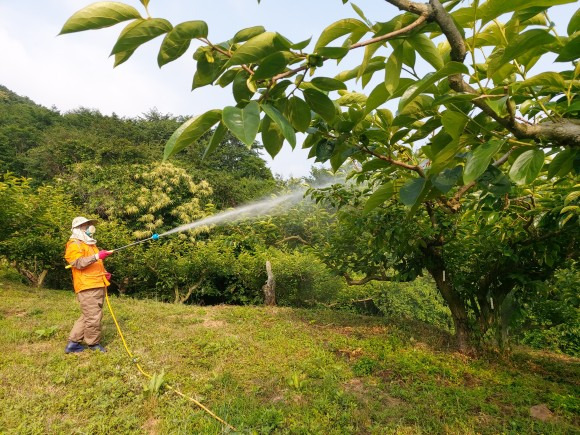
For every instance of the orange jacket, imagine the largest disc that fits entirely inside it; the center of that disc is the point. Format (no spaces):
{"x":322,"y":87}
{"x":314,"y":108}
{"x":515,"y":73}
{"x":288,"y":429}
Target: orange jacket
{"x":92,"y":276}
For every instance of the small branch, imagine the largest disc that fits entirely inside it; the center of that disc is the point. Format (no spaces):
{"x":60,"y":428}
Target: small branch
{"x":422,"y":18}
{"x":225,"y":53}
{"x":468,"y":186}
{"x":415,"y":168}
{"x":409,"y":6}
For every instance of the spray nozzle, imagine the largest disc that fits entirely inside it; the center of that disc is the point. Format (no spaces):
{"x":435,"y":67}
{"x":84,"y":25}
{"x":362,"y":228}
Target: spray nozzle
{"x":155,"y":237}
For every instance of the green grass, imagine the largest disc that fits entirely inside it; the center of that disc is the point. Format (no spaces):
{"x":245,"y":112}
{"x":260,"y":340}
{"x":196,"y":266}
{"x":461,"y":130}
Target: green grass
{"x":264,"y":370}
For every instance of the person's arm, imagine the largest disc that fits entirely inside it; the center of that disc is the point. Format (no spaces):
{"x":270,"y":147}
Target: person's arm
{"x":74,"y":257}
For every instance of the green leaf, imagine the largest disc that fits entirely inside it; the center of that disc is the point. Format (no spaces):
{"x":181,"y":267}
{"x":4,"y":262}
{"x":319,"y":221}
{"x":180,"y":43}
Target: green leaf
{"x":240,"y":87}
{"x":570,"y":51}
{"x":562,"y":163}
{"x":423,"y":84}
{"x":332,"y":52}
{"x":190,"y":131}
{"x":377,"y":97}
{"x":379,"y":196}
{"x":426,"y":50}
{"x":257,"y":48}
{"x":278,"y":118}
{"x":338,"y":29}
{"x":215,"y":140}
{"x":447,"y":179}
{"x":273,"y":64}
{"x":122,"y":57}
{"x":207,"y":71}
{"x":546,"y":79}
{"x":99,"y":15}
{"x":349,"y":98}
{"x":248,"y":33}
{"x":494,"y":181}
{"x":521,"y":44}
{"x":243,"y":123}
{"x":301,"y":45}
{"x":494,"y":8}
{"x":454,"y":123}
{"x":479,"y":160}
{"x":574,"y":24}
{"x":393,"y":69}
{"x":328,"y":84}
{"x":141,"y":32}
{"x":298,"y":113}
{"x":375,"y":164}
{"x":272,"y":136}
{"x":527,"y":166}
{"x":177,"y":41}
{"x":321,"y":104}
{"x":411,"y":191}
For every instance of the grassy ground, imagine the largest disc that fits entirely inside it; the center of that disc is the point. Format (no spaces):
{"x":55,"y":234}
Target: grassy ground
{"x":264,"y":370}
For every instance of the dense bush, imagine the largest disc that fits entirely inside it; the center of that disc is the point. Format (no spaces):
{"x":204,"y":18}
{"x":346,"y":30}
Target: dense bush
{"x":552,"y":320}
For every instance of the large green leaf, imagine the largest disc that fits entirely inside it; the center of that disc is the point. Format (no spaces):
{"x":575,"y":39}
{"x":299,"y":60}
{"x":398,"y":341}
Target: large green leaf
{"x":454,"y":123}
{"x":190,"y":131}
{"x":494,"y":8}
{"x":328,"y":84}
{"x":478,"y":160}
{"x":258,"y":48}
{"x":550,"y":79}
{"x":298,"y":113}
{"x":143,"y":31}
{"x":285,"y":127}
{"x":447,"y":179}
{"x":99,"y":15}
{"x":321,"y":104}
{"x":177,"y":41}
{"x":273,"y":64}
{"x":562,"y":163}
{"x":411,"y":191}
{"x":207,"y":72}
{"x":243,"y":123}
{"x":338,"y":29}
{"x":215,"y":140}
{"x":393,"y":69}
{"x":377,"y":97}
{"x":240,"y":87}
{"x":426,"y":50}
{"x":332,"y":52}
{"x":248,"y":33}
{"x":574,"y":24}
{"x":272,"y":136}
{"x":525,"y":42}
{"x":423,"y":84}
{"x":494,"y":181}
{"x":570,"y":51}
{"x":527,"y":166}
{"x":379,"y":196}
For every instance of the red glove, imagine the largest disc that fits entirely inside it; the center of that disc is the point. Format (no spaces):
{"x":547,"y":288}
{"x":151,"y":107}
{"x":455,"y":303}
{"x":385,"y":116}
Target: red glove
{"x":103,"y":254}
{"x":108,"y":276}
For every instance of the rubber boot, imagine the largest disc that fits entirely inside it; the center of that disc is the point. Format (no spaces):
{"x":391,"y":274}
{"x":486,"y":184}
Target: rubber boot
{"x":73,"y":347}
{"x":98,"y":347}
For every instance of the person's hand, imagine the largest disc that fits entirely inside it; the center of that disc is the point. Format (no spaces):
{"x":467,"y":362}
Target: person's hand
{"x":103,"y":254}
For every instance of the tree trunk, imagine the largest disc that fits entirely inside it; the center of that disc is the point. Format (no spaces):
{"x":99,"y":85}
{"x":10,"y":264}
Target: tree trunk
{"x":444,"y":282}
{"x":270,"y":287}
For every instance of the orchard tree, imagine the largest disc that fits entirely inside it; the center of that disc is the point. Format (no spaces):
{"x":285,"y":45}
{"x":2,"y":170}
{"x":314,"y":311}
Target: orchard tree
{"x":476,"y":127}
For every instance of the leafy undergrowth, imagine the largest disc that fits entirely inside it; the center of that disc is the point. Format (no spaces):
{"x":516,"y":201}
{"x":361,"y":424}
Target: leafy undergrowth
{"x":263,"y":370}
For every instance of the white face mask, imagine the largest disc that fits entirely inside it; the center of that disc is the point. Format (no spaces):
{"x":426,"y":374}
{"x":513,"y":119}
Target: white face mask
{"x":90,"y":231}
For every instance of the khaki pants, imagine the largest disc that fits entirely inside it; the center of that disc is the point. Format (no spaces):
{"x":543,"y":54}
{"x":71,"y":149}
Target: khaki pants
{"x":88,"y":326}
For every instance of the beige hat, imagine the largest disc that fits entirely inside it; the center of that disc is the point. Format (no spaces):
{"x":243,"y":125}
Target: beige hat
{"x":79,"y":220}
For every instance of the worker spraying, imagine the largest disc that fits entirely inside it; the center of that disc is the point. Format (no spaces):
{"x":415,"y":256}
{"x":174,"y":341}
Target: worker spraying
{"x":90,"y":280}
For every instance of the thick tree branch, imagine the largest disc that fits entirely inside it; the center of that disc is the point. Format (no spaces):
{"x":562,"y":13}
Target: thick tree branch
{"x":298,"y":238}
{"x":413,"y":7}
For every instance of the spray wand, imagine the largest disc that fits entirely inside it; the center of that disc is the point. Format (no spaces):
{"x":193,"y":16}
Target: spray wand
{"x":154,"y":237}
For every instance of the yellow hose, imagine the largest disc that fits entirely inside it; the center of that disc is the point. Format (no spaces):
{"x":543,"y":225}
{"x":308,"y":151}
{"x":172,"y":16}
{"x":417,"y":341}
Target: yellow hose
{"x":144,"y":373}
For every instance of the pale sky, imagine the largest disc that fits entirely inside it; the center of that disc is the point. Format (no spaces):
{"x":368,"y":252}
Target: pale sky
{"x":74,"y":70}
